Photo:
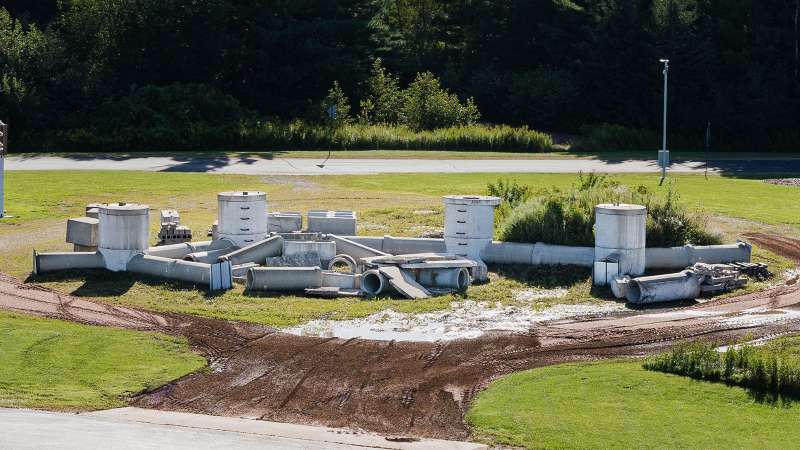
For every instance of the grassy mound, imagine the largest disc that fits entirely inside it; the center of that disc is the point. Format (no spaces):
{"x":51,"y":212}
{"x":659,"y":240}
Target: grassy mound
{"x":61,"y":365}
{"x":622,"y":405}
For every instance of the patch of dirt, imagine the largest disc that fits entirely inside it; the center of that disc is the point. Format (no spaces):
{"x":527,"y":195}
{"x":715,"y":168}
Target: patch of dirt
{"x":397,"y":388}
{"x":784,"y":246}
{"x":784,"y":181}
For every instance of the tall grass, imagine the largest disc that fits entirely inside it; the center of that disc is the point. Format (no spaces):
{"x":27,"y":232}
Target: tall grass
{"x":567,"y":217}
{"x":772,"y":369}
{"x":610,"y":137}
{"x":303,"y":135}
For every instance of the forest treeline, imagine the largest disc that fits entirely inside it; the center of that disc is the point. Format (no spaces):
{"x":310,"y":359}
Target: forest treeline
{"x":78,"y":74}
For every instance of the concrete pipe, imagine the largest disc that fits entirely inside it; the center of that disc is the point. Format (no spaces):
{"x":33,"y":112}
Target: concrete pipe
{"x":283,"y":278}
{"x":539,"y":253}
{"x":255,"y":253}
{"x":178,"y":251}
{"x":664,"y":288}
{"x":345,"y":246}
{"x":173,"y":269}
{"x":452,"y":278}
{"x":208,"y":256}
{"x":52,"y":262}
{"x":406,"y":246}
{"x":373,"y":242}
{"x":349,"y":281}
{"x":347,"y":260}
{"x":681,"y":257}
{"x":373,"y":283}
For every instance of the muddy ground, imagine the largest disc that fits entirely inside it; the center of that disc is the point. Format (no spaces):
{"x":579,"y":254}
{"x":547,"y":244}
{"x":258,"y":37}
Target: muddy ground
{"x":398,"y":388}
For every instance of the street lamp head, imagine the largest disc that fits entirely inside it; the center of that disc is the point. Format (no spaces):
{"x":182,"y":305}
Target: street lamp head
{"x":663,"y":60}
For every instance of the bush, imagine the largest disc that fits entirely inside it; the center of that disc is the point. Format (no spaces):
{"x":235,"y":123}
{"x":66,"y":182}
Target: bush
{"x":608,"y":137}
{"x":384,"y":98}
{"x":335,"y":107}
{"x":772,"y":369}
{"x":567,"y":218}
{"x":427,"y":106}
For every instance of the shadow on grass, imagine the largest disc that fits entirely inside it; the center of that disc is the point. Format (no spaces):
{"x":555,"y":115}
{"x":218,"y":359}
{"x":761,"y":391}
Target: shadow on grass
{"x":548,"y":277}
{"x":100,"y":283}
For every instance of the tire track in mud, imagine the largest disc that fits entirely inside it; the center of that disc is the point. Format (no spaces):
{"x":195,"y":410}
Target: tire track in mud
{"x":413,"y":388}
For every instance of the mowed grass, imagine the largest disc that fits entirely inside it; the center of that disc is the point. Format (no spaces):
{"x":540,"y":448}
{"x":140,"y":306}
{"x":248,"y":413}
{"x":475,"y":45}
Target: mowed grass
{"x":53,"y":364}
{"x":620,"y":405}
{"x":406,"y":205}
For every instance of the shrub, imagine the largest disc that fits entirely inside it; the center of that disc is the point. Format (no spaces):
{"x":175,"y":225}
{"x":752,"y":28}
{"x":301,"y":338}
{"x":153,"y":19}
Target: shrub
{"x":511,"y":195}
{"x":335,"y":107}
{"x":428,"y":106}
{"x":772,"y":369}
{"x":609,"y":137}
{"x":567,"y":218}
{"x":384,"y":98}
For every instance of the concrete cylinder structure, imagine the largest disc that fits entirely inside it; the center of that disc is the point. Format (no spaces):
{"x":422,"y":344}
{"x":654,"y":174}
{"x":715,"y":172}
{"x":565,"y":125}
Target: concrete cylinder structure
{"x":620,"y":233}
{"x":373,"y":283}
{"x":469,"y":226}
{"x":123,"y":231}
{"x":283,"y":278}
{"x":242,"y":217}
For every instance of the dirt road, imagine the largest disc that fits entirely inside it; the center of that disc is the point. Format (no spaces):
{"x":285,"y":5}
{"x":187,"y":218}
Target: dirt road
{"x":410,"y":388}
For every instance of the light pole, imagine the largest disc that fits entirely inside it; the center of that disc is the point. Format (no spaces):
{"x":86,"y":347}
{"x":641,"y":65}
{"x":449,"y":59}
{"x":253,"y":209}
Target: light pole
{"x":663,"y":154}
{"x":3,"y":150}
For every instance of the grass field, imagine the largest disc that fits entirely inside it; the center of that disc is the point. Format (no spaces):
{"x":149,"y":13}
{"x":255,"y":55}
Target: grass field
{"x":401,"y":205}
{"x":621,"y":405}
{"x":53,"y":364}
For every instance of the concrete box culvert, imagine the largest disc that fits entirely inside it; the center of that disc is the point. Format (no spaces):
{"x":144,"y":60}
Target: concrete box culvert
{"x":242,"y":217}
{"x":620,"y":230}
{"x":325,"y":249}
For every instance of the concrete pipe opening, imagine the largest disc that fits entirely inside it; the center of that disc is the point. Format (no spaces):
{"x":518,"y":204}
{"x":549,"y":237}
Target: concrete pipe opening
{"x":372,"y":282}
{"x":463,"y":280}
{"x":634,"y":293}
{"x":343,"y":264}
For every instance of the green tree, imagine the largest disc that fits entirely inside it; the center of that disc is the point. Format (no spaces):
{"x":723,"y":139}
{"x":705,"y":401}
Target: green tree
{"x":428,"y":106}
{"x":335,"y":107}
{"x":384,"y":98}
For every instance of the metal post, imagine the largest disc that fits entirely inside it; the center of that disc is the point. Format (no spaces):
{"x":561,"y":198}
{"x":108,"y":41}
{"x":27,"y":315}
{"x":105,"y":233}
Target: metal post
{"x":3,"y":150}
{"x":663,"y":154}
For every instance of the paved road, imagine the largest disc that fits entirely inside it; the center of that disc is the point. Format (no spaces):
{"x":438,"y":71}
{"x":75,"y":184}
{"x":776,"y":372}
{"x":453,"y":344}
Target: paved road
{"x":299,"y":166}
{"x":133,"y":428}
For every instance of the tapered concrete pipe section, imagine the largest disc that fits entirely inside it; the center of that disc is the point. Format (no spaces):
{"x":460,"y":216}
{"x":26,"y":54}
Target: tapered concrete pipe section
{"x":123,"y":231}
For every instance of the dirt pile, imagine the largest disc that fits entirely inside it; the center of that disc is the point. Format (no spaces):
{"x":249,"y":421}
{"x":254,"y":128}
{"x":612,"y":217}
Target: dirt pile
{"x":784,"y":246}
{"x":784,"y":181}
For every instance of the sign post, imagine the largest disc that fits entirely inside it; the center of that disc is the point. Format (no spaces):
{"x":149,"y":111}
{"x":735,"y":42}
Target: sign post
{"x":3,"y":151}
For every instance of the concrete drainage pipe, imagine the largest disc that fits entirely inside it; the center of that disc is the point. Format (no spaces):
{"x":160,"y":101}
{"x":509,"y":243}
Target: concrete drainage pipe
{"x":283,"y":278}
{"x":174,"y":269}
{"x":373,"y":283}
{"x":343,"y":260}
{"x":51,"y":262}
{"x":255,"y":253}
{"x":452,"y":278}
{"x":664,"y":288}
{"x":206,"y":257}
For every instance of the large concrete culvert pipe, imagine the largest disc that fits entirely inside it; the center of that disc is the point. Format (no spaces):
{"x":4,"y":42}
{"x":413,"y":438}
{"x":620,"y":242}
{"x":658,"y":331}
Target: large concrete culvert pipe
{"x":255,"y":253}
{"x":174,"y":269}
{"x":664,"y":288}
{"x":178,"y":251}
{"x":373,"y":283}
{"x":689,"y":255}
{"x":287,"y":279}
{"x":457,"y":278}
{"x":53,"y":262}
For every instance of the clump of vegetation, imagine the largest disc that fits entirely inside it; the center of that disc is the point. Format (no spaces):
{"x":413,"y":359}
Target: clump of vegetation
{"x":567,"y":217}
{"x":610,"y":137}
{"x":771,"y":370}
{"x":511,"y":194}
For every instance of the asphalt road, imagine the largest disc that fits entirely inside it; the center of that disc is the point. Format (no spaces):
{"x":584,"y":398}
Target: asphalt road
{"x":140,"y":429}
{"x":300,"y":166}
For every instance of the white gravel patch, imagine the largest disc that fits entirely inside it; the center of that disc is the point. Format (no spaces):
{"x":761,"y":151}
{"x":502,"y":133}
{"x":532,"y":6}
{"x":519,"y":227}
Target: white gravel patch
{"x":466,"y":320}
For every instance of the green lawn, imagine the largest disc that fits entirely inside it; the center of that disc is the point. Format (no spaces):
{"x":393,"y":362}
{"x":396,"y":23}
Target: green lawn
{"x":54,"y":364}
{"x":621,"y":405}
{"x":401,"y":205}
